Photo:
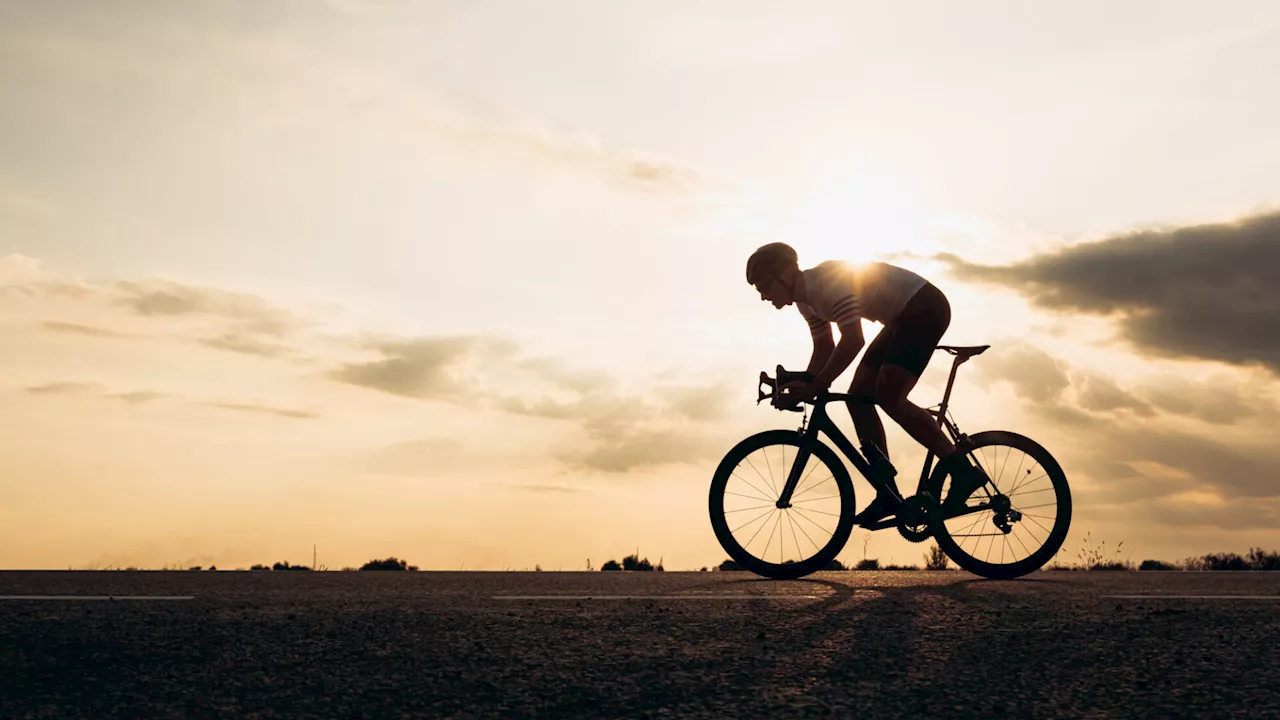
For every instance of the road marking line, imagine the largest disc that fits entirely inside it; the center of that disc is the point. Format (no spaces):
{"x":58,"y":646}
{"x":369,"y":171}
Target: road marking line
{"x":1194,"y":597}
{"x":97,"y":597}
{"x":657,"y":597}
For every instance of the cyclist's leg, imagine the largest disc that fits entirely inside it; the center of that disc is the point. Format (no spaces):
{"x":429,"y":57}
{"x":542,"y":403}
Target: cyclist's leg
{"x":862,"y":410}
{"x":917,"y":333}
{"x":870,"y":429}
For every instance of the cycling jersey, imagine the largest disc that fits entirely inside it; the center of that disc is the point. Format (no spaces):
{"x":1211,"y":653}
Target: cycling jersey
{"x":843,"y":293}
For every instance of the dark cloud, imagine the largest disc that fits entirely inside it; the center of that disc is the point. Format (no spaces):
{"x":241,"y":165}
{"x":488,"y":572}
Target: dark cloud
{"x":1219,"y":401}
{"x":1208,"y":292}
{"x":1099,"y":393}
{"x":1117,"y":438}
{"x":1033,"y":373}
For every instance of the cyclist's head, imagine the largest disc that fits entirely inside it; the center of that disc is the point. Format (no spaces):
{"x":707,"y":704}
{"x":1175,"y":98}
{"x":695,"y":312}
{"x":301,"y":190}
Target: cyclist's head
{"x":775,"y":261}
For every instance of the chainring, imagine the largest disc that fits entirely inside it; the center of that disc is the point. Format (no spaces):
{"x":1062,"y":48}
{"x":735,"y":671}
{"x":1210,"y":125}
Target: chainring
{"x":914,"y":517}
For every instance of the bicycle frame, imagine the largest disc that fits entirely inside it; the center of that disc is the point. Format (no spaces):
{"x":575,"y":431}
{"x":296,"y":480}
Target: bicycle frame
{"x":821,"y":422}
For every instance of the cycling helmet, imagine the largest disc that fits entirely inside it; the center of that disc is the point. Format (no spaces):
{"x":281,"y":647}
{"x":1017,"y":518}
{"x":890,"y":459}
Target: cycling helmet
{"x":770,"y":261}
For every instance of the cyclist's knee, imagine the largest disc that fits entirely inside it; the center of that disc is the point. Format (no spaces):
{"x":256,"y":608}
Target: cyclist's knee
{"x":860,"y":400}
{"x":888,"y":398}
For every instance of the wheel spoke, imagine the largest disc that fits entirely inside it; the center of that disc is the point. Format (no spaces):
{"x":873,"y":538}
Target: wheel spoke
{"x":749,"y":497}
{"x":814,"y":485}
{"x":806,"y":535}
{"x":762,"y":477}
{"x":1028,"y":482}
{"x":821,"y":512}
{"x":753,"y":487}
{"x":753,"y":537}
{"x":1031,"y":492}
{"x":1037,"y":522}
{"x":811,"y":522}
{"x":769,"y":542}
{"x":757,"y":507}
{"x":828,"y":497}
{"x":794,"y":537}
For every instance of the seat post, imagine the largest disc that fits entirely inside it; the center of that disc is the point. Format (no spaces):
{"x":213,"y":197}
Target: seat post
{"x":946,"y":396}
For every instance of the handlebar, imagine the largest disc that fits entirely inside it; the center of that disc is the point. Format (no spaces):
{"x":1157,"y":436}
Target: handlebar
{"x":783,"y":402}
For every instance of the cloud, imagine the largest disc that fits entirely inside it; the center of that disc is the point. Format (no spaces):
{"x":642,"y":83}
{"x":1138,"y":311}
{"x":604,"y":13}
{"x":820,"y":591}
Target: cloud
{"x":263,"y":409}
{"x":142,"y":397}
{"x":543,"y":489}
{"x":64,"y":388}
{"x":1099,"y":393}
{"x":1127,"y":440}
{"x":1209,"y":292}
{"x":1033,"y":373}
{"x":246,"y":345}
{"x":154,"y":310}
{"x":421,"y":368}
{"x":139,"y":397}
{"x":78,"y":329}
{"x":615,"y":431}
{"x":560,"y":374}
{"x":155,"y":298}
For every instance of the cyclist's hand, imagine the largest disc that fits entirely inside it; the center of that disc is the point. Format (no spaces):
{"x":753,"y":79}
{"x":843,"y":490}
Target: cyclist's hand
{"x":798,"y":392}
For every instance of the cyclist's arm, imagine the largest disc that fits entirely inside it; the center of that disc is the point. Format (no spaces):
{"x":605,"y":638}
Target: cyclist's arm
{"x":823,"y":343}
{"x":851,"y":342}
{"x":849,"y":319}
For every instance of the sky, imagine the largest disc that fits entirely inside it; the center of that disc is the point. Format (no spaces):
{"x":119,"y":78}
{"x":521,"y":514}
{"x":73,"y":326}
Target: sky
{"x":461,"y":282}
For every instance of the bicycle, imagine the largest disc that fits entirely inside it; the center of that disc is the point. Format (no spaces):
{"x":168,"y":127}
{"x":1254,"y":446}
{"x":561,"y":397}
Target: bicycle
{"x":919,"y":517}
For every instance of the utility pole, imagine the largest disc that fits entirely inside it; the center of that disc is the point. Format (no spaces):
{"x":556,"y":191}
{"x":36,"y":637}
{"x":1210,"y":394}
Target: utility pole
{"x":313,"y":556}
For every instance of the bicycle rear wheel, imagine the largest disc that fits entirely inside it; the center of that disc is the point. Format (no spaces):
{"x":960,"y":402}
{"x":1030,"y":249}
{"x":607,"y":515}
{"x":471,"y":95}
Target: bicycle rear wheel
{"x":781,"y":543}
{"x":1014,"y":524}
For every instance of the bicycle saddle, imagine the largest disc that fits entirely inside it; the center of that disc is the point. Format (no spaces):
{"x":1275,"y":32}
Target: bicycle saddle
{"x":964,"y":352}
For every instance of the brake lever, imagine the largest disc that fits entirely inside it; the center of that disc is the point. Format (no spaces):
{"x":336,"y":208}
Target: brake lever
{"x":765,"y":380}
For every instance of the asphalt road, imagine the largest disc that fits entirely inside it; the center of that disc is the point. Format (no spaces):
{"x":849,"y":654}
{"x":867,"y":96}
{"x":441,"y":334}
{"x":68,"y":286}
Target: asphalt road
{"x":573,"y":644}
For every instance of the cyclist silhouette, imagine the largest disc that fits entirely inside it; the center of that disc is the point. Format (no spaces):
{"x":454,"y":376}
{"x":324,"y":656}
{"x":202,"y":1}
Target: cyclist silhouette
{"x":914,"y":313}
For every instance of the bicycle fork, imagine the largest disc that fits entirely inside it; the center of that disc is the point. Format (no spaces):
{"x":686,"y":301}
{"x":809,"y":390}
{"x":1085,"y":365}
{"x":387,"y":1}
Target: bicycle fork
{"x":793,"y":474}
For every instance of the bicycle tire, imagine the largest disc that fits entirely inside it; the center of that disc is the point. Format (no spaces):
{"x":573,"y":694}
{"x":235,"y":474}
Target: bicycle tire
{"x":720,"y":524}
{"x":1056,"y":535}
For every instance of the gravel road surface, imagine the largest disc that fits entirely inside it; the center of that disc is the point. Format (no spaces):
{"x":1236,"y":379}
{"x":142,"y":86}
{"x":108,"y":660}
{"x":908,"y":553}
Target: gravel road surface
{"x":635,"y":645}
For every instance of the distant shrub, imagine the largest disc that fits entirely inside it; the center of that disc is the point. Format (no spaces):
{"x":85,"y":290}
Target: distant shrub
{"x":285,"y":566}
{"x":1261,"y":560}
{"x":867,"y":564}
{"x":835,"y":564}
{"x":611,"y":566}
{"x":935,"y":559}
{"x":1224,"y":561}
{"x":728,"y":566}
{"x":259,"y":567}
{"x":390,"y":563}
{"x":635,"y":562}
{"x":1155,"y":565}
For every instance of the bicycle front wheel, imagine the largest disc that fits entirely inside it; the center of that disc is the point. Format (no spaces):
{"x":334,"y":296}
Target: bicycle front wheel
{"x":781,"y":543}
{"x":1012,"y":525}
